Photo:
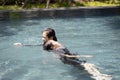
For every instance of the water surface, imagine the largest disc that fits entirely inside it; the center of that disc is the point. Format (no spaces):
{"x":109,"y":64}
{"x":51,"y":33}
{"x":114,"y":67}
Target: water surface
{"x":97,"y":36}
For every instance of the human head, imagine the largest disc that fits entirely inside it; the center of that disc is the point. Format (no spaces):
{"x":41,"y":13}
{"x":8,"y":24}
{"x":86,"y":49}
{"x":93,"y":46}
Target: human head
{"x":49,"y":34}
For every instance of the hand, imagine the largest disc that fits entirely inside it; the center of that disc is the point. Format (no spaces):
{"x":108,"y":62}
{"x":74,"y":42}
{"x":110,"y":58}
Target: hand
{"x":18,"y":44}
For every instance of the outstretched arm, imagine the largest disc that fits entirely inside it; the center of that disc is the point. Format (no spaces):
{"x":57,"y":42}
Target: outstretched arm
{"x":72,"y":56}
{"x":20,"y":44}
{"x":77,"y":56}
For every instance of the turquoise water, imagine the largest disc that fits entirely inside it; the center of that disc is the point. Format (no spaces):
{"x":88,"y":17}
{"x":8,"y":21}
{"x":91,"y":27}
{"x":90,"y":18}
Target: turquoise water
{"x":97,"y":36}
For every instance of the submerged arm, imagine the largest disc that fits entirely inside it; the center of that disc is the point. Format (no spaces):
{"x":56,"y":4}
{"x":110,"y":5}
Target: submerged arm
{"x":20,"y":44}
{"x":76,"y":56}
{"x":32,"y":45}
{"x":70,"y":56}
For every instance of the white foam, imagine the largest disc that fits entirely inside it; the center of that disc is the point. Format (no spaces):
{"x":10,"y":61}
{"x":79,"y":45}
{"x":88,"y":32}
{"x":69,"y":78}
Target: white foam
{"x":91,"y":69}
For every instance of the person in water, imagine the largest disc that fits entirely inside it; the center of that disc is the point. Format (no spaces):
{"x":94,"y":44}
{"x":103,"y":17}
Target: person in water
{"x":50,"y":43}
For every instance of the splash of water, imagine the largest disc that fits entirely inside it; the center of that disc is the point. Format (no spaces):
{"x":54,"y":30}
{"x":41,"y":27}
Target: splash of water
{"x":91,"y":69}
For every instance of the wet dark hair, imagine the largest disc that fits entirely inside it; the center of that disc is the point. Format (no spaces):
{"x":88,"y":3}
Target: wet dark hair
{"x":51,"y":33}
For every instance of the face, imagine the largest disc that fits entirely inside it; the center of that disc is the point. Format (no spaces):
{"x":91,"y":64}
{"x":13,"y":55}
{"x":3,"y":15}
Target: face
{"x":44,"y":36}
